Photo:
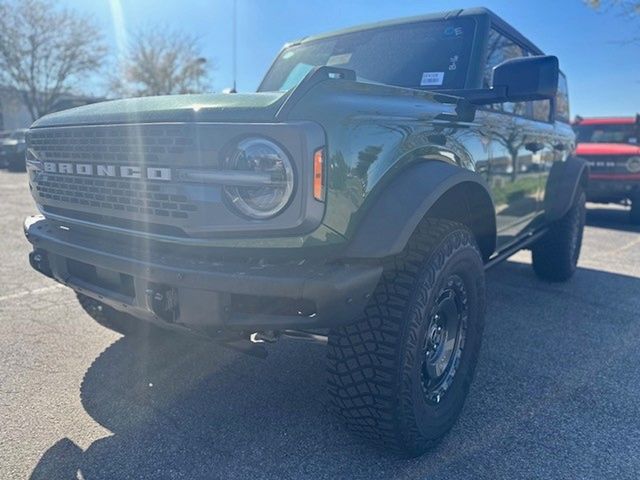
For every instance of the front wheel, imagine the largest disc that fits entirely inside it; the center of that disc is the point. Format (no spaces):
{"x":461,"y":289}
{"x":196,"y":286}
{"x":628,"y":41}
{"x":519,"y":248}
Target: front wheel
{"x":555,"y":255}
{"x":399,"y":376}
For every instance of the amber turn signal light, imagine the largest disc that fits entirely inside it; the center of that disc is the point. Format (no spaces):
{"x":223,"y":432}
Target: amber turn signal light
{"x":318,"y":175}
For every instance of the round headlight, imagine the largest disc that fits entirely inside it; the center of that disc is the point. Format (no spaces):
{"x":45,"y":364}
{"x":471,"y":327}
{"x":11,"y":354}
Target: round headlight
{"x":267,"y":176}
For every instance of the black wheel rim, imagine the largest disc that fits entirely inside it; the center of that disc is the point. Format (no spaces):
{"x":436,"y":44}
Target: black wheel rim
{"x":444,"y":339}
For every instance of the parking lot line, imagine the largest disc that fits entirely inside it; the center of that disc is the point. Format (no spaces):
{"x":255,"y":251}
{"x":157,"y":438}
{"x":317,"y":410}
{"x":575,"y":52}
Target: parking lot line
{"x":29,"y":292}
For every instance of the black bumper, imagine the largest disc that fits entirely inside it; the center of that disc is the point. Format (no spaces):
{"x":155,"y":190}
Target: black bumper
{"x":612,"y":189}
{"x":186,"y":291}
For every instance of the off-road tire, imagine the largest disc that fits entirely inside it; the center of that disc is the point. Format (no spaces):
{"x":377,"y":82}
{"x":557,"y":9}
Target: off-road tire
{"x":113,"y":319}
{"x":634,"y":213}
{"x":555,"y":255}
{"x":375,"y":366}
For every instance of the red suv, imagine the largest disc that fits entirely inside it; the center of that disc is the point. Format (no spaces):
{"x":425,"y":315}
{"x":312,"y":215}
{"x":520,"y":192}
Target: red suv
{"x":612,"y":148}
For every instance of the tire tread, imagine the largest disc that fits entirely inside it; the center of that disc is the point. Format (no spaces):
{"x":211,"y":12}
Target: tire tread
{"x":551,"y":255}
{"x":364,"y":359}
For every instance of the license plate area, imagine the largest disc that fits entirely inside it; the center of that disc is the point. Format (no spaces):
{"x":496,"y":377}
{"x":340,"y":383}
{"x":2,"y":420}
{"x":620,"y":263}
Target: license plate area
{"x":109,"y":280}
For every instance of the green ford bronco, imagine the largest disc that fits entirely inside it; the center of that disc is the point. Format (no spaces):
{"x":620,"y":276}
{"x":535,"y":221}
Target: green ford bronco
{"x":356,"y":199}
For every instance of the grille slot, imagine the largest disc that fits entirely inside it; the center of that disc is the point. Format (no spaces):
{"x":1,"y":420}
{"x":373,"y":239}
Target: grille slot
{"x":111,"y":195}
{"x":607,"y":163}
{"x":129,"y":144}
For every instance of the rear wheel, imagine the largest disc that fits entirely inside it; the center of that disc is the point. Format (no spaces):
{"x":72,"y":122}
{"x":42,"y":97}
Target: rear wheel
{"x":400,"y":375}
{"x":555,"y":256}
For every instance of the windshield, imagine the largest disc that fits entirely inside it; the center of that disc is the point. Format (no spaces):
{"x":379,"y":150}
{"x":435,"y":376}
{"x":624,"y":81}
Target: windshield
{"x":604,"y":133}
{"x":426,"y":55}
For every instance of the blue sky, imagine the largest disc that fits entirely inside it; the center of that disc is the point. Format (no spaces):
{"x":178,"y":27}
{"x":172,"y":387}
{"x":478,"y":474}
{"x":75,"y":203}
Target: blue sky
{"x":603,"y":71}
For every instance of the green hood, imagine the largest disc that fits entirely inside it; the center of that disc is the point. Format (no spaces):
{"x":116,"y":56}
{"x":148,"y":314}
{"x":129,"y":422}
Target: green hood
{"x":239,"y":107}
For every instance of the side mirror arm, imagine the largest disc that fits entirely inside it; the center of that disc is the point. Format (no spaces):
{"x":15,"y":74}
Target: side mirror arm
{"x":481,"y":96}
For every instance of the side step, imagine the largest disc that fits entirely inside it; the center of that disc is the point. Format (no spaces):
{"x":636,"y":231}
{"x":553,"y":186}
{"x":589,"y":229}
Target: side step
{"x":519,"y":245}
{"x":272,"y":336}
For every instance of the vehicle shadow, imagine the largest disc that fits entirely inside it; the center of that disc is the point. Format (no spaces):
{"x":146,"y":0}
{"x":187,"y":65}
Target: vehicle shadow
{"x":611,"y":217}
{"x":541,"y":402}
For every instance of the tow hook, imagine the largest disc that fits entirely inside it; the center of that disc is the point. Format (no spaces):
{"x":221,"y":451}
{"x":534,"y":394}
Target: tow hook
{"x":163,"y":302}
{"x":40,"y":262}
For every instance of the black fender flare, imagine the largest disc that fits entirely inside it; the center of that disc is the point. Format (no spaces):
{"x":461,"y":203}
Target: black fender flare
{"x":400,"y":205}
{"x":562,"y":185}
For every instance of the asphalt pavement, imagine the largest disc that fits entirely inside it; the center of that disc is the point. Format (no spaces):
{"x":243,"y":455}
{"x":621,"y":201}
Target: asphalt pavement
{"x":556,"y":393}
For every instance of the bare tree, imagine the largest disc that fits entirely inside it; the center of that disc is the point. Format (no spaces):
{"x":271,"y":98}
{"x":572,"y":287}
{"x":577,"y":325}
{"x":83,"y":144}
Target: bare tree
{"x":623,"y":8}
{"x":161,"y":62}
{"x":626,"y":6}
{"x":45,"y":50}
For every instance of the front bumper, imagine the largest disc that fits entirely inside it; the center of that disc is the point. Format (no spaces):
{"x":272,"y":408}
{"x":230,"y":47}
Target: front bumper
{"x":192,"y":292}
{"x":612,"y":187}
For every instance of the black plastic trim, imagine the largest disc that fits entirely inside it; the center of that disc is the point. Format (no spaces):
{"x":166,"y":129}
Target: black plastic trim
{"x":403,"y":203}
{"x":339,"y":291}
{"x":562,"y":185}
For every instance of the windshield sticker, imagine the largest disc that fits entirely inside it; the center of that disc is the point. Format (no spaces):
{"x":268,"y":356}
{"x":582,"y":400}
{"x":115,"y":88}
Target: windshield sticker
{"x":453,"y":62}
{"x":432,"y":78}
{"x":288,"y":54}
{"x":453,"y":31}
{"x":339,"y":59}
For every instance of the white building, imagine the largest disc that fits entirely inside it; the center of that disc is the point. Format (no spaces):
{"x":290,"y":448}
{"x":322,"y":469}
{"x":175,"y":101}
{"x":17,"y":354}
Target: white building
{"x":15,"y":114}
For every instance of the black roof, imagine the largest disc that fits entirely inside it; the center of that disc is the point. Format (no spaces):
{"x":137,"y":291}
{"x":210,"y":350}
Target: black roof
{"x":466,"y":12}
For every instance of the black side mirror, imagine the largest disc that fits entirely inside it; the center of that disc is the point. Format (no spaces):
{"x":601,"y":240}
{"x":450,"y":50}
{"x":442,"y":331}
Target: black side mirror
{"x":518,"y":80}
{"x":527,"y":78}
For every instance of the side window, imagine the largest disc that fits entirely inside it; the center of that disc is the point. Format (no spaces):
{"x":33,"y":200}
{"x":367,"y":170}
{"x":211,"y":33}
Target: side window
{"x":541,"y":110}
{"x":499,"y":49}
{"x":562,"y":101}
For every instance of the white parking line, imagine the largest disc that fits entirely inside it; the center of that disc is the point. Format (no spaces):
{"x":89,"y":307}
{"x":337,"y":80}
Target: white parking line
{"x":30,"y":292}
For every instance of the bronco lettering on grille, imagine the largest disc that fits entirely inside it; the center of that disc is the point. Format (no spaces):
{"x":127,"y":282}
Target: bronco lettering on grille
{"x":124,"y":171}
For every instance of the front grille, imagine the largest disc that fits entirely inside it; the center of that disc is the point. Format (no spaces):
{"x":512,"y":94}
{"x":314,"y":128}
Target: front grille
{"x":111,"y":195}
{"x":138,"y":204}
{"x":153,"y":143}
{"x":607,"y":163}
{"x":132,"y":177}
